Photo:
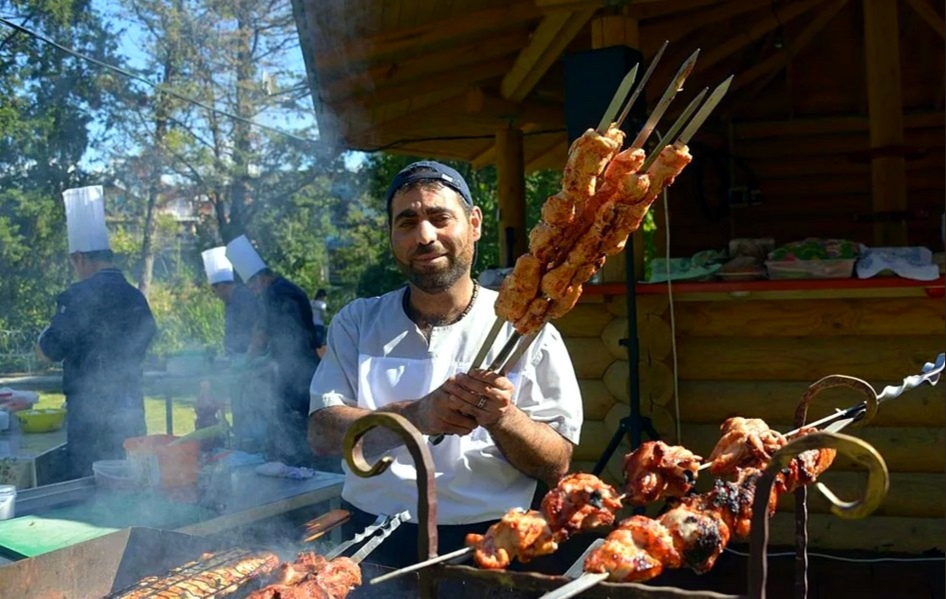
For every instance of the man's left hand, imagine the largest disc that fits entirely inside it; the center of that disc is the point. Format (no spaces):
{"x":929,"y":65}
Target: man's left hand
{"x":487,"y":396}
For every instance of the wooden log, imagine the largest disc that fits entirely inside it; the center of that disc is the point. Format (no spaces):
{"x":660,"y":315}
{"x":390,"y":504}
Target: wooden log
{"x":613,"y":333}
{"x":875,"y":533}
{"x":812,"y":318}
{"x":511,"y":191}
{"x":584,"y":320}
{"x":711,"y":402}
{"x":914,"y":495}
{"x":594,"y":439}
{"x":911,"y":449}
{"x":589,"y":356}
{"x":595,"y":398}
{"x":880,"y":357}
{"x":616,"y":381}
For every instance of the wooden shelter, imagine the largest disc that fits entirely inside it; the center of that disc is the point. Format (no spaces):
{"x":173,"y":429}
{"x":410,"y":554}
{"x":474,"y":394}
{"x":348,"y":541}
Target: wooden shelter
{"x":834,"y":127}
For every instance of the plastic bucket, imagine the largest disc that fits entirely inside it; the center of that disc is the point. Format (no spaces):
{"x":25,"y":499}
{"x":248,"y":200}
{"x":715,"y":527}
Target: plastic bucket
{"x":7,"y":501}
{"x":118,"y":475}
{"x":162,"y":464}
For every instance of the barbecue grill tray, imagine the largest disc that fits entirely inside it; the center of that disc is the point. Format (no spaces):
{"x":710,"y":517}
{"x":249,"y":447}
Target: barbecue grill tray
{"x":110,"y":563}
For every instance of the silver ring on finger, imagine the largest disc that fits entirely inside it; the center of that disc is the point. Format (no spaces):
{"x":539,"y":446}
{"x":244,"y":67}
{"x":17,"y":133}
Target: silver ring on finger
{"x":481,"y":403}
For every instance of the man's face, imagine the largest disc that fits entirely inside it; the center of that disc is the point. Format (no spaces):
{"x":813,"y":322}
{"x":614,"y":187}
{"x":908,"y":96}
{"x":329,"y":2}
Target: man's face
{"x":80,"y":264}
{"x":222,"y":291}
{"x":432,"y":238}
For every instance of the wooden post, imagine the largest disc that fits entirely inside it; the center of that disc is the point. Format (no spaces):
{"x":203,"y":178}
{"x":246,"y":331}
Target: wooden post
{"x":885,"y":108}
{"x":510,"y":175}
{"x":607,"y":31}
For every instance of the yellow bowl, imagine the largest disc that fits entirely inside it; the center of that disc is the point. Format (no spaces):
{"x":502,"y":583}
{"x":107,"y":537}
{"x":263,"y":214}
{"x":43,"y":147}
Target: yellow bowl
{"x":41,"y":421}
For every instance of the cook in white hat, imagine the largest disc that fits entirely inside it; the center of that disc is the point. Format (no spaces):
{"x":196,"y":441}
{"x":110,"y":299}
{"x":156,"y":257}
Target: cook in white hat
{"x":287,"y":332}
{"x":100,"y":332}
{"x":241,"y":308}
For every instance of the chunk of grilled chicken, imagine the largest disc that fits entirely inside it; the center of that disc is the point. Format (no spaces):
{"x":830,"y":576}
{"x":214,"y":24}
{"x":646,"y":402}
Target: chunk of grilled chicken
{"x":806,"y":467}
{"x":580,"y":502}
{"x":656,"y":470}
{"x":587,"y":158}
{"x":732,"y":500}
{"x":313,"y":574}
{"x":519,"y":288}
{"x":518,"y":535}
{"x":745,"y":443}
{"x":699,"y":536}
{"x":638,"y":550}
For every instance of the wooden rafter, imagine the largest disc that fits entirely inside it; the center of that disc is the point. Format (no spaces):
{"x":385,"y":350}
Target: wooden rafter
{"x":450,"y":30}
{"x":550,"y":39}
{"x":765,"y":70}
{"x":552,"y":156}
{"x":637,"y":9}
{"x":929,"y":14}
{"x":546,"y":114}
{"x":742,"y":37}
{"x":452,"y":78}
{"x":674,"y":29}
{"x":424,"y":66}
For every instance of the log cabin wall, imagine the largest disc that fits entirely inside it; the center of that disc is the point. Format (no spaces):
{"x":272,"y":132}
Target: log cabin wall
{"x":801,"y":137}
{"x":754,"y":356}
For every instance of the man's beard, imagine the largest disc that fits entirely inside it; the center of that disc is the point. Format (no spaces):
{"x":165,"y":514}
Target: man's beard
{"x":438,"y":281}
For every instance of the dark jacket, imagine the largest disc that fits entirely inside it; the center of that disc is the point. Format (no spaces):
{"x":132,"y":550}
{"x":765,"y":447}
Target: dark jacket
{"x":240,"y":316}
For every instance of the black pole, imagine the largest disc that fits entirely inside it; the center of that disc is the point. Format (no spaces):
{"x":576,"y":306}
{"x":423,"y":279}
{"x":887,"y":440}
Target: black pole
{"x":633,"y":424}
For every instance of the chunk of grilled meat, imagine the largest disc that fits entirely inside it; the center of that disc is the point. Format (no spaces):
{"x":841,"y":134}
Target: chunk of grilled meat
{"x":639,"y":549}
{"x":580,"y":502}
{"x":519,"y":288}
{"x":656,"y":470}
{"x":806,"y":467}
{"x":699,"y":536}
{"x":732,"y":500}
{"x":210,"y":577}
{"x":746,"y":443}
{"x":311,"y":575}
{"x":587,"y":158}
{"x":522,"y":535}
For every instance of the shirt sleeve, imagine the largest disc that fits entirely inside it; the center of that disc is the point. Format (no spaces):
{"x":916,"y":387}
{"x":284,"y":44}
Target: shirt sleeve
{"x":335,"y":382}
{"x":59,"y":337}
{"x":549,"y":389}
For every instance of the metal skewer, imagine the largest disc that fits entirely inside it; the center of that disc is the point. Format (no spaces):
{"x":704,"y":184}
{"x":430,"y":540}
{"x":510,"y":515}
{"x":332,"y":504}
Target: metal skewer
{"x":640,"y":86}
{"x":694,"y":125}
{"x":675,"y":86}
{"x":421,"y":565}
{"x":619,"y":95}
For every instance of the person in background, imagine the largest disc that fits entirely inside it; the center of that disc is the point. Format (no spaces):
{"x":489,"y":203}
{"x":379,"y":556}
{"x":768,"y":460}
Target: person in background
{"x":285,"y":331}
{"x":241,"y":307}
{"x":319,"y":318}
{"x":409,"y":352}
{"x":101,"y":332}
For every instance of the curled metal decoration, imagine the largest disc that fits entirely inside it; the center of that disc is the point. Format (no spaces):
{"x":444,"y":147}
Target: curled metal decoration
{"x":426,"y":489}
{"x":878,"y":482}
{"x":839,"y":380}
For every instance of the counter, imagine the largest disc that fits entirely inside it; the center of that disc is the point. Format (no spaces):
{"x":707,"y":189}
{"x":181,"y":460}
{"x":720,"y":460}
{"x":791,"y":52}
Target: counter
{"x":56,"y":516}
{"x":20,"y":452}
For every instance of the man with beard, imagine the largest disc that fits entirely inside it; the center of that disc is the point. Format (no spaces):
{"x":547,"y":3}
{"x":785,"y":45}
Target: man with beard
{"x":408,"y":353}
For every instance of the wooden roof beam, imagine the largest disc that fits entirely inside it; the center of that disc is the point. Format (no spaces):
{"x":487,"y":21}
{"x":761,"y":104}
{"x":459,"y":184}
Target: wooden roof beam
{"x":450,"y":30}
{"x":480,"y":101}
{"x":637,"y":9}
{"x":742,"y":37}
{"x":552,"y":156}
{"x":766,"y":70}
{"x":929,"y":14}
{"x":396,"y":72}
{"x":451,"y":78}
{"x":676,"y":28}
{"x":550,"y":39}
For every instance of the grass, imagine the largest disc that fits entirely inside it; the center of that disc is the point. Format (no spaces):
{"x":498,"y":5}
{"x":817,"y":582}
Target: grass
{"x":182,"y":410}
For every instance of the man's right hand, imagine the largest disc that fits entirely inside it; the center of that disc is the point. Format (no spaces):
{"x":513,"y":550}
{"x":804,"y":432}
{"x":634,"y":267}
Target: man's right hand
{"x":439,"y":413}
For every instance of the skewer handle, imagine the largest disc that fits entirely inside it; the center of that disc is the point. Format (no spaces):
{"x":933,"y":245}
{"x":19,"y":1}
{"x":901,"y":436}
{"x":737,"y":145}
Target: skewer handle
{"x":421,"y":565}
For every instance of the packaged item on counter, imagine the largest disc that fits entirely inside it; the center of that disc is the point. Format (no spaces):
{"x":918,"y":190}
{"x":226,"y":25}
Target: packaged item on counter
{"x":908,"y":262}
{"x":813,"y":258}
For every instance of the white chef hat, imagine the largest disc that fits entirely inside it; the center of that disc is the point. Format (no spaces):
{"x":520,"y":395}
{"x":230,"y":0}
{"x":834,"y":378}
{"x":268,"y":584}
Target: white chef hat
{"x":85,"y":219}
{"x":216,"y":265}
{"x":244,"y":258}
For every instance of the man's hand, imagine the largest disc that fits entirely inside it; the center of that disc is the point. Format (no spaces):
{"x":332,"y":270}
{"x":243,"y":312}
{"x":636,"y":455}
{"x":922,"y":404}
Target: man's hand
{"x":485,"y":396}
{"x":442,"y":412}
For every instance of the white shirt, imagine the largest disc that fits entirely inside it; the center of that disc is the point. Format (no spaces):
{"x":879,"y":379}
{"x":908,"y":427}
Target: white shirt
{"x":377,"y":355}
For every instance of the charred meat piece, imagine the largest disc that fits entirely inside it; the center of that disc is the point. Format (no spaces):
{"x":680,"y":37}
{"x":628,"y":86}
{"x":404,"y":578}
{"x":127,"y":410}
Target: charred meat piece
{"x":580,"y":502}
{"x":656,"y":470}
{"x":699,"y":536}
{"x":806,"y":467}
{"x":638,"y":550}
{"x":518,"y":535}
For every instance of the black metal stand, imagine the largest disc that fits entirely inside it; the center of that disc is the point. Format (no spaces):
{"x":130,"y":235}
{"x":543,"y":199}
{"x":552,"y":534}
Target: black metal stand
{"x":633,"y":424}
